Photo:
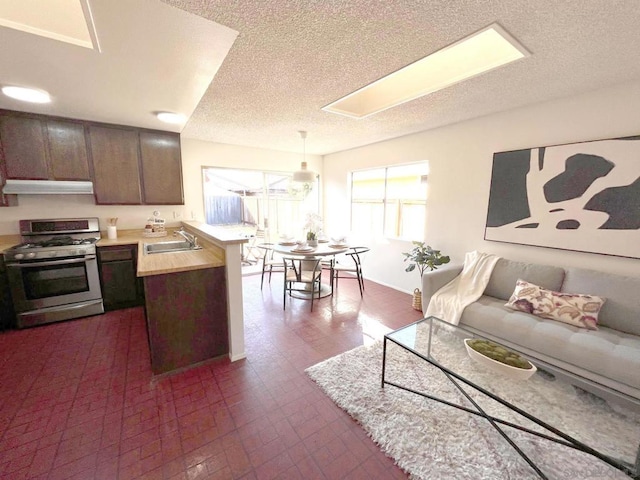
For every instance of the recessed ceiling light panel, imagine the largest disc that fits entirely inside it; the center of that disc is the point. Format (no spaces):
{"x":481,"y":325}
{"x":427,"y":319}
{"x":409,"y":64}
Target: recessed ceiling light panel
{"x":24,"y":94}
{"x":170,"y":117}
{"x":480,"y":52}
{"x":68,"y":21}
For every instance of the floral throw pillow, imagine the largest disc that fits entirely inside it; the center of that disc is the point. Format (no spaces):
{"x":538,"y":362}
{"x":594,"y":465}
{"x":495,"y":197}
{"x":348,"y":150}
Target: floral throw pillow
{"x":572,"y":308}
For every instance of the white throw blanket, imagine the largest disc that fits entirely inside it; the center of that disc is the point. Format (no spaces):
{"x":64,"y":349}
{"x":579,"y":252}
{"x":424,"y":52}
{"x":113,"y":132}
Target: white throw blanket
{"x":449,"y":302}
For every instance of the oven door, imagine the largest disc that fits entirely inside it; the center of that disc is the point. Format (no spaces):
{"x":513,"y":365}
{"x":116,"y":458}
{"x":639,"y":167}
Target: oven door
{"x":51,"y":283}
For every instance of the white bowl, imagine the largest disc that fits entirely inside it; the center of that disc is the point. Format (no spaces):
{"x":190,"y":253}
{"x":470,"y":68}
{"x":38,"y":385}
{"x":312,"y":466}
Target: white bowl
{"x":512,"y":372}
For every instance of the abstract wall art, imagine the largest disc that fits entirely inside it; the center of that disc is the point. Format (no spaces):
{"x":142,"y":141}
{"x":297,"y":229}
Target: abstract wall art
{"x":581,"y":196}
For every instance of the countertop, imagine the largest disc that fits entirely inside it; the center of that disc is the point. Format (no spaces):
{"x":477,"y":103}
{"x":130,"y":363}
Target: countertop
{"x":162,"y":263}
{"x":8,"y":241}
{"x":212,"y":239}
{"x":218,"y":235}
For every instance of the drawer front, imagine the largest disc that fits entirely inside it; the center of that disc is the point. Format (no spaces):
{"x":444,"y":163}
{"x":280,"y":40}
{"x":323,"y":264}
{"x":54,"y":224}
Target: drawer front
{"x":116,"y":254}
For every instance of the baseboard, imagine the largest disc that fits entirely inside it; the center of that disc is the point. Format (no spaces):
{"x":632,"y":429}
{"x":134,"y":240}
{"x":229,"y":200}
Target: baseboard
{"x":235,"y":358}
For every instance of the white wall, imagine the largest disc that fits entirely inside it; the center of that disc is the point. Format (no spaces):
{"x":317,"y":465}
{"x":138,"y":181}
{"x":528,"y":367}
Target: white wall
{"x":460,"y":158}
{"x":195,"y":155}
{"x":69,"y":206}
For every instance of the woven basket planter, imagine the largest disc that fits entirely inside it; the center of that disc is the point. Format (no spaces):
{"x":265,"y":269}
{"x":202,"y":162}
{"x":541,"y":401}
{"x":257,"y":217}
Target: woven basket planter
{"x":417,"y":299}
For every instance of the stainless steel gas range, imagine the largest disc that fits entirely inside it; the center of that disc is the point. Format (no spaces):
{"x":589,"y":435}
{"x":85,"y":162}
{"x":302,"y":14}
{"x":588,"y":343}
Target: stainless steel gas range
{"x":53,"y":274}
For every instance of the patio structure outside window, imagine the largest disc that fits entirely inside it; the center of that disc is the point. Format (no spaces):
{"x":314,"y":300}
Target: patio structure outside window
{"x":256,"y":200}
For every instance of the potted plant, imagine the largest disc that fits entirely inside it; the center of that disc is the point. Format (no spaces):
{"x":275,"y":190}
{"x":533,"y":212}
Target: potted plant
{"x":312,"y":240}
{"x":312,"y":225}
{"x":423,"y":256}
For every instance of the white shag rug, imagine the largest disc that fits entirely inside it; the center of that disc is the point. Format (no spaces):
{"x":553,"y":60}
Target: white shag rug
{"x":430,"y":440}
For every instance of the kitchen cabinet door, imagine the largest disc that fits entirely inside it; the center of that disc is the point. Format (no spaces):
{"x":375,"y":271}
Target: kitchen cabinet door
{"x":24,"y":147}
{"x":114,"y":153}
{"x":67,"y":151}
{"x":121,"y":288}
{"x":7,"y":313}
{"x":161,"y":168}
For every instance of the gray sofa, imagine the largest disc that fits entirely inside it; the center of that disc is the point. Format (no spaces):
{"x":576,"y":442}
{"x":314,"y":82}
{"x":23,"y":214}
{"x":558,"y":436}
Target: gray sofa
{"x":605,"y":362}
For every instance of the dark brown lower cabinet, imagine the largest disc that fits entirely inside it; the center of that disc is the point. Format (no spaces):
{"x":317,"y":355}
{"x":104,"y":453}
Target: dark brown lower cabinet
{"x":121,"y":288}
{"x":7,"y":314}
{"x":186,"y":317}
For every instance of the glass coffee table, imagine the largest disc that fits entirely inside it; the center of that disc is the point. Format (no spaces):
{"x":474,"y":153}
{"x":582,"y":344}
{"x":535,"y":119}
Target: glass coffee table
{"x":542,"y":405}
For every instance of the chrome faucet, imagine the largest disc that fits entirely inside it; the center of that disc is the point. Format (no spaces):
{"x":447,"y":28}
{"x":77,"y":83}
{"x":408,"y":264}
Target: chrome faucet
{"x":192,"y":239}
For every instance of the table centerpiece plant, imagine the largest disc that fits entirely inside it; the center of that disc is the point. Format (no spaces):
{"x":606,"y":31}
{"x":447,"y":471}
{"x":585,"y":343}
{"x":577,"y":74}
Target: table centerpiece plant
{"x":312,"y":227}
{"x":423,"y":257}
{"x":498,"y":353}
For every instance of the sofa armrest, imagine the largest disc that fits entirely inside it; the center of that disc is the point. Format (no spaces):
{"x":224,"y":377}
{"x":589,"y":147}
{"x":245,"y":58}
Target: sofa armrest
{"x":436,"y":279}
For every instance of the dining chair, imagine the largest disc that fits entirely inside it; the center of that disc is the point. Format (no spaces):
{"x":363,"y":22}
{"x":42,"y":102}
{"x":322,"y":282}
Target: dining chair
{"x":250,"y":253}
{"x":302,"y":274}
{"x":354,"y":268}
{"x":270,"y":261}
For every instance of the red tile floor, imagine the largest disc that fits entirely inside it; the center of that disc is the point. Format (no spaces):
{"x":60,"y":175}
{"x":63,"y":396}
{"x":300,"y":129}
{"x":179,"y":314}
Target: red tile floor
{"x":77,"y":399}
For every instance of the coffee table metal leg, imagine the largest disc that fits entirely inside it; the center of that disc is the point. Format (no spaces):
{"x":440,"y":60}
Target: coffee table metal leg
{"x":384,"y":358}
{"x":489,"y":418}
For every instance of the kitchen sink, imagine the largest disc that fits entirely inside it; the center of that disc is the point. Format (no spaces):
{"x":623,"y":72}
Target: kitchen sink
{"x":169,"y":247}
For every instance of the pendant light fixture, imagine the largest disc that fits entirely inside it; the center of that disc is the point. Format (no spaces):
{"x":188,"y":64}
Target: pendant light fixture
{"x":303,"y":175}
{"x":303,"y":180}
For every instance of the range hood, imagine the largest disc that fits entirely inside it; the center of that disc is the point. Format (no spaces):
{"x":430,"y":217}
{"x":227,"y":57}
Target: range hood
{"x":46,"y":187}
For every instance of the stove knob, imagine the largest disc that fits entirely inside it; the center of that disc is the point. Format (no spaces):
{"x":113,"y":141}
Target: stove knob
{"x":19,"y":256}
{"x":31,"y":255}
{"x":52,"y":254}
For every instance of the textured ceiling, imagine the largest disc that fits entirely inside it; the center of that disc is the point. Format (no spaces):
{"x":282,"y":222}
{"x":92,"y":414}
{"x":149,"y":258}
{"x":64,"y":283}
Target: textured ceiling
{"x":293,"y":57}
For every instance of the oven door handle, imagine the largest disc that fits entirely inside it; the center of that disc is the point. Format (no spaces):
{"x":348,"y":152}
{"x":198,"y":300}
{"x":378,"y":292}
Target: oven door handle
{"x":53,"y":262}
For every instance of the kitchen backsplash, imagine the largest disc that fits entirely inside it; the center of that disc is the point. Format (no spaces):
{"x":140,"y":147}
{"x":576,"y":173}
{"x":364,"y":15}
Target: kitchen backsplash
{"x":70,"y":206}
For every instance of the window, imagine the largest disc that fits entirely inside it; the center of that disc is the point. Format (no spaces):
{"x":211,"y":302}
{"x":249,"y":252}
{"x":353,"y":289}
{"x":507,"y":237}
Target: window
{"x":267,"y":201}
{"x":390,"y":201}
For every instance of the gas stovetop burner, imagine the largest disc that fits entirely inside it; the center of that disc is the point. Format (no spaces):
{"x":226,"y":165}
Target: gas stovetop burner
{"x":57,"y":242}
{"x":48,"y":239}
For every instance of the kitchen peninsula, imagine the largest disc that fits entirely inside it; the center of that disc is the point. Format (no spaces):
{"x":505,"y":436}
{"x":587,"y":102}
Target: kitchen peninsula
{"x":193,"y":299}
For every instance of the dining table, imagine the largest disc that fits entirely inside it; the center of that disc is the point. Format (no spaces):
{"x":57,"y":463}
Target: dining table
{"x":323,"y":249}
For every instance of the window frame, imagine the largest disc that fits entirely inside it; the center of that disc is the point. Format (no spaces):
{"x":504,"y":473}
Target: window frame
{"x":385,"y":199}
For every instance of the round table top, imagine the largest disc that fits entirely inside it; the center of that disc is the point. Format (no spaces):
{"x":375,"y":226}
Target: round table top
{"x":321,"y":250}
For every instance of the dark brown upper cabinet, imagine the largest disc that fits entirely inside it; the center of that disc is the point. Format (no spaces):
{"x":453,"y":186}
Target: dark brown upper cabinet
{"x":68,"y":150}
{"x":116,"y":176}
{"x":5,"y":200}
{"x":39,"y":148}
{"x":23,"y":143}
{"x":161,"y":168}
{"x":127,"y":165}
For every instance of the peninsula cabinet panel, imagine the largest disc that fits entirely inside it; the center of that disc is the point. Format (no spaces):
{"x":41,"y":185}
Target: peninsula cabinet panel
{"x":24,"y":147}
{"x":186,"y":317}
{"x":67,"y":151}
{"x":114,"y":153}
{"x":161,"y":168}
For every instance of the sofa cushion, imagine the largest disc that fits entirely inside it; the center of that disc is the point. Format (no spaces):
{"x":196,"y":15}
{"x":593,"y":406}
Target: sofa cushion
{"x":572,"y":308}
{"x":606,"y":352}
{"x":507,"y":272}
{"x":621,"y":311}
